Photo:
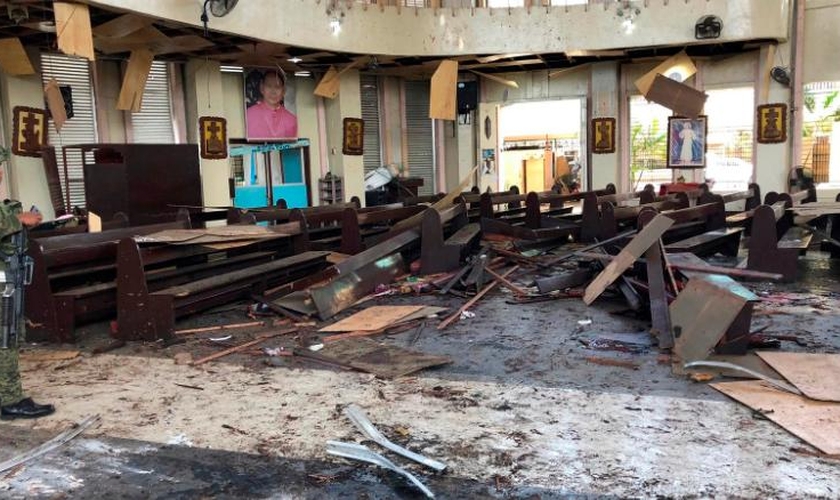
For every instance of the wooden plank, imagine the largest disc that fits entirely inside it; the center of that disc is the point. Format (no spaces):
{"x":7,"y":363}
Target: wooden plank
{"x":700,"y":316}
{"x":241,"y":347}
{"x":816,"y":422}
{"x":660,"y":317}
{"x":72,"y":25}
{"x":628,"y":255}
{"x":13,"y":58}
{"x":372,"y":318}
{"x":134,"y":83}
{"x":457,"y":314}
{"x":816,"y":375}
{"x":55,"y":103}
{"x":122,"y":26}
{"x":329,"y":84}
{"x":444,"y":91}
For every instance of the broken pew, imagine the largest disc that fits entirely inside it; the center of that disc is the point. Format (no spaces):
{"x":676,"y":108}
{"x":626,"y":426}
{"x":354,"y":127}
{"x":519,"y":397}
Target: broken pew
{"x":73,"y":279}
{"x":442,"y":253}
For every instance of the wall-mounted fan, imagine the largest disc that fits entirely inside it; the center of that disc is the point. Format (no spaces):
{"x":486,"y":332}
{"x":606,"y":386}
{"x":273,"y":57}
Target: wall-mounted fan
{"x":218,"y":8}
{"x":781,"y":75}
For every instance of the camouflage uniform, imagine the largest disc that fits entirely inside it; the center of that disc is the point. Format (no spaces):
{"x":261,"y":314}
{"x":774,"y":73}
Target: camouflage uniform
{"x":11,"y":391}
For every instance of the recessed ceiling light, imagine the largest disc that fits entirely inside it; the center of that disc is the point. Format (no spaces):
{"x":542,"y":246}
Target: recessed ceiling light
{"x":295,"y":60}
{"x":303,"y":74}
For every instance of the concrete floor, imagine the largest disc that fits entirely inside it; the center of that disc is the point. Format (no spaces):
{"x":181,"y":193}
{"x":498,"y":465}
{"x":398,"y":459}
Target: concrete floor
{"x":520,"y":413}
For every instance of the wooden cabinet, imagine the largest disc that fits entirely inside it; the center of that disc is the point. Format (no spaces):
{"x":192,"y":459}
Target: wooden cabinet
{"x":331,"y":190}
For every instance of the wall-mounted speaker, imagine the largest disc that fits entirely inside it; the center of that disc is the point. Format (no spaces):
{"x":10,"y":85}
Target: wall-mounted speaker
{"x":467,"y":97}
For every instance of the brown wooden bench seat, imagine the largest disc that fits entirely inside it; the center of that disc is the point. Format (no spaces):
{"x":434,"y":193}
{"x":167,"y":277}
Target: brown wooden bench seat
{"x":770,"y":225}
{"x":700,"y":229}
{"x":65,"y":263}
{"x":146,"y":311}
{"x":442,"y":253}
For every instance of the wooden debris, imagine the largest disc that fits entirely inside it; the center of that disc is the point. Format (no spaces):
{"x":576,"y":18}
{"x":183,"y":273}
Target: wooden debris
{"x":457,"y":314}
{"x":187,"y":386}
{"x":816,"y":422}
{"x":13,"y":58}
{"x":372,"y":318}
{"x":506,"y":282}
{"x":234,"y":326}
{"x":41,"y":356}
{"x":612,"y":362}
{"x":72,"y":27}
{"x":628,"y":255}
{"x":816,"y":374}
{"x":242,"y":347}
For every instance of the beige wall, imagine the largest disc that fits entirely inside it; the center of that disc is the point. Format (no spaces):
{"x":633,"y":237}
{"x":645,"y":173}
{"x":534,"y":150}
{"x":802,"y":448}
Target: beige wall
{"x":26,"y":180}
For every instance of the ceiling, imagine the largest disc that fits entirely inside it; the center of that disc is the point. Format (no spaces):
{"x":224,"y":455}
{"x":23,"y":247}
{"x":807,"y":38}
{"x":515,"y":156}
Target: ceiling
{"x":115,"y":35}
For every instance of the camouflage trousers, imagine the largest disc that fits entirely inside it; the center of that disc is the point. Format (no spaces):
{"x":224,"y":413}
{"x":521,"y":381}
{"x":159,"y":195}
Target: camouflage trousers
{"x":11,"y":390}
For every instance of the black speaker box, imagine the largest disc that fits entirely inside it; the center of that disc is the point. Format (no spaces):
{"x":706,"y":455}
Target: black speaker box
{"x":467,"y":96}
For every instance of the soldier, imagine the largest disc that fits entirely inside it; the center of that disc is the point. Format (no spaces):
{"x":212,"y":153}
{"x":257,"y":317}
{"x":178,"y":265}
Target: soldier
{"x":12,"y":402}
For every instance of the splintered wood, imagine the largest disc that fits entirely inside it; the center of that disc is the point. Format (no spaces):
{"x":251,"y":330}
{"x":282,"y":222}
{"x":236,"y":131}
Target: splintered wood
{"x":372,"y":319}
{"x":72,"y":26}
{"x":628,"y":255}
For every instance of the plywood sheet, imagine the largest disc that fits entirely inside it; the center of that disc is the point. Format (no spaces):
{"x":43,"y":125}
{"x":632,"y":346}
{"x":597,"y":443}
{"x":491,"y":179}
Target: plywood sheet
{"x":134,"y":83}
{"x":443,"y":99}
{"x":816,"y":422}
{"x":816,"y":375}
{"x":122,"y":26}
{"x":329,"y":84}
{"x":678,"y":97}
{"x":13,"y":58}
{"x":628,"y":255}
{"x":700,"y":316}
{"x":55,"y":103}
{"x":382,"y":360}
{"x":679,"y":63}
{"x":372,"y":318}
{"x":72,"y":24}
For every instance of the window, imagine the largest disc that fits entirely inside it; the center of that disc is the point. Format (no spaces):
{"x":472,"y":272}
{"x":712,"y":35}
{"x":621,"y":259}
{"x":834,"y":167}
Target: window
{"x":820,"y":133}
{"x":154,"y":123}
{"x":72,"y":72}
{"x":420,"y":148}
{"x":648,"y":143}
{"x":729,"y":152}
{"x":370,"y":114}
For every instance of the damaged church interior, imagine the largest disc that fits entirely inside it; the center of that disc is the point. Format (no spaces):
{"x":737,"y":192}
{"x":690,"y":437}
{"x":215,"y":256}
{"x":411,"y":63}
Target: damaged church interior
{"x":385,"y":249}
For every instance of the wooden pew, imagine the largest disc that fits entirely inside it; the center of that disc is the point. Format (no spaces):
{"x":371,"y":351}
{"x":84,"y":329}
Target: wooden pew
{"x":604,"y":219}
{"x":702,"y":230}
{"x":349,"y":230}
{"x":442,"y":253}
{"x":150,"y":298}
{"x":73,"y":279}
{"x":768,"y":249}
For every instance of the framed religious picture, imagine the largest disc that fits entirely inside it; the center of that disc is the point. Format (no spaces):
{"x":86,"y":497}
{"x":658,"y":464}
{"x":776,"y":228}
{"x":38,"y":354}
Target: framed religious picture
{"x":354,"y":134}
{"x":29,"y":131}
{"x":213,"y":137}
{"x":269,"y":105}
{"x":687,"y":142}
{"x":771,"y":122}
{"x":603,"y":135}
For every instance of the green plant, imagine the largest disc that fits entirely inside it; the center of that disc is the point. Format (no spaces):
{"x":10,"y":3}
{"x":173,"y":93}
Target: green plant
{"x":648,"y":149}
{"x":823,"y":111}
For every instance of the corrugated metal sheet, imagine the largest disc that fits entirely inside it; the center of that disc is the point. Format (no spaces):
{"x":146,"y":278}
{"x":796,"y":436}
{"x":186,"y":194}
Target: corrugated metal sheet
{"x":421,"y":143}
{"x":153,"y":123}
{"x":80,"y":129}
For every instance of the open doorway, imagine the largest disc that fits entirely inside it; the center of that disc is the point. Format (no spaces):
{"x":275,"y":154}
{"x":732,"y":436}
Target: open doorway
{"x":543,"y":143}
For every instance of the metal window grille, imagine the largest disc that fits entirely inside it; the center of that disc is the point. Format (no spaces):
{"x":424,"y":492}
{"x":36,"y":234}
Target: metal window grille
{"x":154,"y":123}
{"x":81,"y":129}
{"x":421,"y":144}
{"x":370,"y":114}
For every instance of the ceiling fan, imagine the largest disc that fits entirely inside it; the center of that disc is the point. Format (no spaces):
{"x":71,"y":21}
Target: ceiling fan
{"x":218,"y":8}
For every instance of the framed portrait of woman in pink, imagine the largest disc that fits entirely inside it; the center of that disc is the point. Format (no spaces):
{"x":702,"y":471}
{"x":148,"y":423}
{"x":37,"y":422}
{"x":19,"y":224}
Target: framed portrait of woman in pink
{"x":269,"y":105}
